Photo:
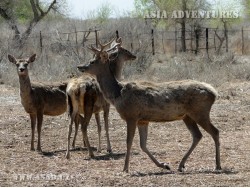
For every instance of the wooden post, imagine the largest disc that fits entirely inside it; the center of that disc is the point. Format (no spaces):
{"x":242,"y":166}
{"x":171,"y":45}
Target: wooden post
{"x":226,"y":35}
{"x":207,"y":40}
{"x":214,"y":43}
{"x":96,"y":40}
{"x":243,"y":45}
{"x":162,"y":40}
{"x":131,"y":44}
{"x":117,"y":34}
{"x":41,"y":41}
{"x":175,"y":39}
{"x":191,"y":39}
{"x":77,"y":51}
{"x":153,"y":42}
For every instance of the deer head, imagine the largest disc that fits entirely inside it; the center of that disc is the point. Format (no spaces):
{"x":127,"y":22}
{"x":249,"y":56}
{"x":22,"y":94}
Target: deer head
{"x":102,"y":57}
{"x":22,"y":64}
{"x":124,"y":55}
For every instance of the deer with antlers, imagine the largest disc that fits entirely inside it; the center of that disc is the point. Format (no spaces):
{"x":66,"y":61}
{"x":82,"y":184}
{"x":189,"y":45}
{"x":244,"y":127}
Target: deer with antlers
{"x":139,"y":103}
{"x":85,"y":97}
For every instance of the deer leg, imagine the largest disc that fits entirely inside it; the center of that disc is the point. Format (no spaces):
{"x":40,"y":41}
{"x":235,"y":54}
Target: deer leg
{"x":196,"y":134}
{"x":214,"y":132}
{"x":143,"y":132}
{"x":131,"y":126}
{"x":72,"y":118}
{"x":76,"y":129}
{"x":87,"y":116}
{"x":97,"y":118}
{"x":39,"y":129}
{"x":33,"y":127}
{"x":81,"y":119}
{"x":106,"y":122}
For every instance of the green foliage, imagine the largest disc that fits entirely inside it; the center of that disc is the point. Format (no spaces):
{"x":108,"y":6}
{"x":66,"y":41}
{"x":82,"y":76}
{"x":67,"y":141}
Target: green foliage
{"x":23,"y":10}
{"x":144,"y":6}
{"x":229,"y":6}
{"x":102,"y":13}
{"x":246,"y":7}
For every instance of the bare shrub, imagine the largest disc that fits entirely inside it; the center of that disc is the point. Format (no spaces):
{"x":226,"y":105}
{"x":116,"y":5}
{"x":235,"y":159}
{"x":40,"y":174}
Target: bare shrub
{"x":188,"y":66}
{"x":59,"y":56}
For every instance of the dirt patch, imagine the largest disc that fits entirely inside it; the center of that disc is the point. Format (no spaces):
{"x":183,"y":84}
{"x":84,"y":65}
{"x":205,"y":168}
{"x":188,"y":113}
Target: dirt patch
{"x":168,"y":142}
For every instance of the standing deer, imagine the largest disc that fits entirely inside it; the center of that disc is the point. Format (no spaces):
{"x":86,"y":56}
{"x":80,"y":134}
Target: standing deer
{"x":139,"y":103}
{"x":39,"y":99}
{"x":85,"y":97}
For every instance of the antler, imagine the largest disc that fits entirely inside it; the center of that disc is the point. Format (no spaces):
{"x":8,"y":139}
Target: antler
{"x":103,"y":46}
{"x":118,"y":43}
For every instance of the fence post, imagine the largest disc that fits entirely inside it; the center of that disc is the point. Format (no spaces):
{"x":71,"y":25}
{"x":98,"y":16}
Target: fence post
{"x":226,"y":35}
{"x":162,"y":40}
{"x":175,"y":39}
{"x":77,"y":51}
{"x":117,"y":34}
{"x":96,"y":41}
{"x":153,"y":42}
{"x":243,"y":45}
{"x":207,"y":40}
{"x":191,"y":39}
{"x":214,"y":42}
{"x":41,"y":41}
{"x":131,"y":38}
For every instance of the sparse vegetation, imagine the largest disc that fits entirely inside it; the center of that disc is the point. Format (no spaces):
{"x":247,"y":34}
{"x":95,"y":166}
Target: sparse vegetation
{"x":228,"y":72}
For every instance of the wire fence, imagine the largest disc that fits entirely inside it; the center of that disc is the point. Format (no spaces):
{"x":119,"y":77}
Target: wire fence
{"x":204,"y":40}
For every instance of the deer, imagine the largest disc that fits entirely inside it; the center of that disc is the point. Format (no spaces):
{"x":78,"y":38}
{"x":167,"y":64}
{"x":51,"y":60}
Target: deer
{"x":139,"y":103}
{"x":85,"y":97}
{"x":39,"y":99}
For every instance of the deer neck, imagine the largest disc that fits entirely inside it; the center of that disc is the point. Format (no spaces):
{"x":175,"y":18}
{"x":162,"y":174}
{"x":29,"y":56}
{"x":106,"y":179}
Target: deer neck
{"x":25,"y":88}
{"x":116,"y":68}
{"x":109,"y":85}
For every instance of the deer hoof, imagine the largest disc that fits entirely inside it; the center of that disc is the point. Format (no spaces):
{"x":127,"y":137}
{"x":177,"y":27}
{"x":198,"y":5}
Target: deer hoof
{"x":125,"y":170}
{"x":99,"y":150}
{"x":181,"y":168}
{"x":164,"y":166}
{"x":218,"y":168}
{"x":67,"y":156}
{"x":109,"y":151}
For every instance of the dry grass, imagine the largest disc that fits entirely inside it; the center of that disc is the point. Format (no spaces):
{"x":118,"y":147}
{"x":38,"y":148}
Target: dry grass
{"x":221,"y":69}
{"x":168,"y":142}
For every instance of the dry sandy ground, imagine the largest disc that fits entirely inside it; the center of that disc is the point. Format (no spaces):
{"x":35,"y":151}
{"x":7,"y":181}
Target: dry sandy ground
{"x":168,"y":142}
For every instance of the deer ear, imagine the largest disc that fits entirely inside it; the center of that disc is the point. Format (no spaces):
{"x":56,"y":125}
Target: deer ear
{"x":12,"y":59}
{"x":32,"y":58}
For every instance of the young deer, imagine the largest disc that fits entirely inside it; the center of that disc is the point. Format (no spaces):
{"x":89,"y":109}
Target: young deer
{"x":139,"y":103}
{"x":38,"y":99}
{"x":84,"y":97}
